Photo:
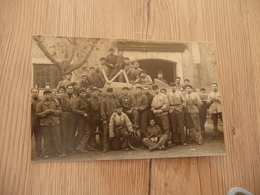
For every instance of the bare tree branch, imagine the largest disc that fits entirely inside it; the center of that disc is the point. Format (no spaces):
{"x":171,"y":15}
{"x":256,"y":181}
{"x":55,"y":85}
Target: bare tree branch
{"x":84,"y":60}
{"x":69,"y":60}
{"x":37,"y":38}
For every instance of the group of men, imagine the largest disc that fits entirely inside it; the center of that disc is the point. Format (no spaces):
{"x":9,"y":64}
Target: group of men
{"x":78,"y":109}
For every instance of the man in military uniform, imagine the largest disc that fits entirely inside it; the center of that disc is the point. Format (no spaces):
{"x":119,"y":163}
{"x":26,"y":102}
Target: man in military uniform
{"x":119,"y":128}
{"x":80,"y":108}
{"x":66,"y":81}
{"x":128,"y":103}
{"x":160,"y":107}
{"x":141,"y":107}
{"x":160,"y":77}
{"x":155,"y":137}
{"x":35,"y":122}
{"x":108,"y":106}
{"x":67,"y":119}
{"x":94,"y":79}
{"x":194,"y":103}
{"x":48,"y":111}
{"x":176,"y":113}
{"x":215,"y":108}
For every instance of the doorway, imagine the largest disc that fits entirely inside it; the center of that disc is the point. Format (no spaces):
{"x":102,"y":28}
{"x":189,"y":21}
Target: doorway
{"x":152,"y":66}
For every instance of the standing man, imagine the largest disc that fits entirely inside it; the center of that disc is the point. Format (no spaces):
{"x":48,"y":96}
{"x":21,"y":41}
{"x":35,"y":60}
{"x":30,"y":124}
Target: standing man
{"x":94,"y":79}
{"x":176,"y":113}
{"x":192,"y":114}
{"x":150,"y":99}
{"x":128,"y":103}
{"x":155,"y":137}
{"x":134,"y":72}
{"x":215,"y":108}
{"x":160,"y":77}
{"x":108,"y":106}
{"x":67,"y":119}
{"x":48,"y":111}
{"x":119,"y":128}
{"x":178,"y":83}
{"x":66,"y":81}
{"x":111,"y":59}
{"x":35,"y":122}
{"x":141,"y":105}
{"x":203,"y":111}
{"x":80,"y":108}
{"x":160,"y":107}
{"x":144,"y":79}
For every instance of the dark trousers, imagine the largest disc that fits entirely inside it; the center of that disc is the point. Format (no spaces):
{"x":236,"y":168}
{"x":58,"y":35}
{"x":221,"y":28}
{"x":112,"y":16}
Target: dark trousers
{"x":67,"y":120}
{"x":214,"y":118}
{"x":82,"y":123}
{"x":177,"y":122}
{"x":51,"y":132}
{"x":164,"y":122}
{"x":120,"y":139}
{"x":36,"y":132}
{"x":148,"y":142}
{"x":142,"y":119}
{"x":94,"y":122}
{"x":193,"y":123}
{"x":203,"y":115}
{"x":106,"y":140}
{"x":133,"y":116}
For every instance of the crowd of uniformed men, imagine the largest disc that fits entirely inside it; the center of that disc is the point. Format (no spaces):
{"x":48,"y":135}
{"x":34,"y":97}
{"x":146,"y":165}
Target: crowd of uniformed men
{"x":77,"y":109}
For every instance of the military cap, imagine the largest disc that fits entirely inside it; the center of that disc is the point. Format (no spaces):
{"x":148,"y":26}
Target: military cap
{"x":155,"y":87}
{"x":119,"y":106}
{"x":82,"y":90}
{"x":125,"y":88}
{"x":139,"y":87}
{"x":109,"y":89}
{"x":187,"y":80}
{"x":47,"y":91}
{"x":94,"y":89}
{"x":126,"y":58}
{"x":188,"y":86}
{"x":160,"y":72}
{"x":102,"y":58}
{"x":143,"y":71}
{"x":62,"y":87}
{"x":172,"y":84}
{"x":84,"y":75}
{"x":68,"y":72}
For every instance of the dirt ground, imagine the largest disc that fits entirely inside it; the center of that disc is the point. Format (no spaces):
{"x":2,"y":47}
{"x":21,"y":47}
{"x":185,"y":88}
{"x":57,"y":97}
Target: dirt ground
{"x":210,"y":147}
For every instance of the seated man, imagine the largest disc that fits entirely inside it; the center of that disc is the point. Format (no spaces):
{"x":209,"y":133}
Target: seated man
{"x":119,"y":128}
{"x":144,"y":79}
{"x":156,"y":139}
{"x":160,"y":77}
{"x":132,"y":73}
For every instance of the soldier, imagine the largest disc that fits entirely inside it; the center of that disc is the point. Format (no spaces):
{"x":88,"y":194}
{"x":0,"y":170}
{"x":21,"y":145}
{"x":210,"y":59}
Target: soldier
{"x":96,"y":80}
{"x":67,"y":119}
{"x":80,"y":108}
{"x":118,"y":65}
{"x":141,"y":105}
{"x":35,"y":122}
{"x":48,"y":111}
{"x":66,"y":81}
{"x":119,"y":128}
{"x":128,"y":103}
{"x":160,"y":107}
{"x":111,"y":59}
{"x":160,"y":77}
{"x":132,"y":73}
{"x":176,"y":113}
{"x":144,"y":79}
{"x":215,"y":108}
{"x":155,"y":137}
{"x":192,"y":114}
{"x":150,"y":99}
{"x":108,"y":106}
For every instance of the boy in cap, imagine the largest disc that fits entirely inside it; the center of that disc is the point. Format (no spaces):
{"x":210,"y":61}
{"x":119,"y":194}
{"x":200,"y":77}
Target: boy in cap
{"x":119,"y":128}
{"x":108,"y":106}
{"x":160,"y":77}
{"x":66,"y":81}
{"x":48,"y":111}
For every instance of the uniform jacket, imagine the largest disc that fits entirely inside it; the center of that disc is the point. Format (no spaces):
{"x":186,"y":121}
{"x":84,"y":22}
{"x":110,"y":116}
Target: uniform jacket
{"x":193,"y":102}
{"x":141,"y":101}
{"x":46,"y":119}
{"x":154,"y":131}
{"x":150,"y":99}
{"x":127,"y":101}
{"x":108,"y":106}
{"x":145,"y":81}
{"x":176,"y":100}
{"x":96,"y":80}
{"x":34,"y":103}
{"x":215,"y":106}
{"x":133,"y":73}
{"x":66,"y":102}
{"x":160,"y":102}
{"x":94,"y":105}
{"x":117,"y":120}
{"x":80,"y":106}
{"x":111,"y":59}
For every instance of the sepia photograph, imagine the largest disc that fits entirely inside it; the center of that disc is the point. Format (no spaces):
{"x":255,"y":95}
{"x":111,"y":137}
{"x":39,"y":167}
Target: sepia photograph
{"x":111,"y":99}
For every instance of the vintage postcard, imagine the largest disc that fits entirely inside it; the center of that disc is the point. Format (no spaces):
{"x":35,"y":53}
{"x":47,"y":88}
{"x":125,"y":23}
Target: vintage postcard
{"x":107,"y":99}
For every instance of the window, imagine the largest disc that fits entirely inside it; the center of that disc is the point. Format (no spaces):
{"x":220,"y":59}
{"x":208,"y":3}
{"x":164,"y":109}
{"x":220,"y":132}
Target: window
{"x":45,"y":74}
